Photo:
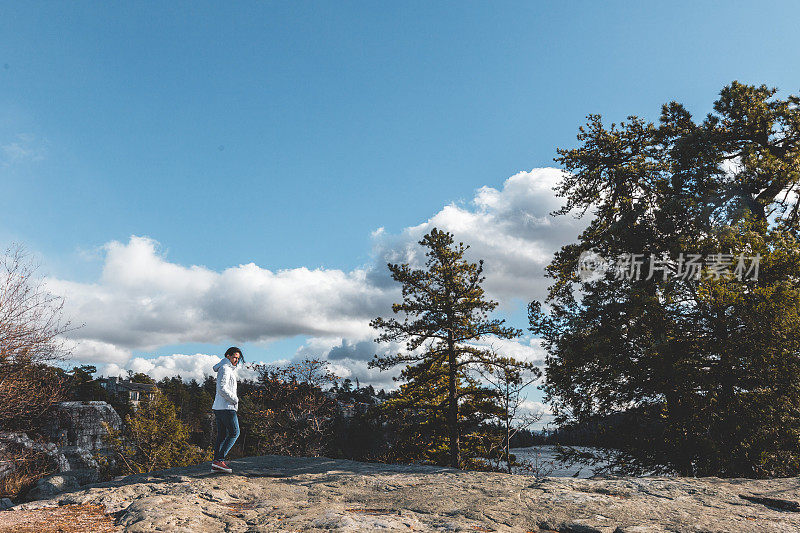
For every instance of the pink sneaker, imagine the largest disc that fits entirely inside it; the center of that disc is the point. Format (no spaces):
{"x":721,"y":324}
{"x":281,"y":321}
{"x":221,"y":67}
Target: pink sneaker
{"x":220,"y":466}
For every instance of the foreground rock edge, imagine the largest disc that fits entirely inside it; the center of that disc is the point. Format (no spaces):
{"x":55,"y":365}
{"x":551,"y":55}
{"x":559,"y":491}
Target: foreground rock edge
{"x":278,"y":493}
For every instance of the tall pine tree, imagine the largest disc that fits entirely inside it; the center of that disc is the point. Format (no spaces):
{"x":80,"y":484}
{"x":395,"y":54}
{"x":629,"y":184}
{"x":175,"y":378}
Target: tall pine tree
{"x":444,"y":313}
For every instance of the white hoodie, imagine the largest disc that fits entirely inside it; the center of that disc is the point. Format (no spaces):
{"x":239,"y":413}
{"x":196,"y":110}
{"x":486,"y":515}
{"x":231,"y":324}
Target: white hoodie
{"x":226,"y":397}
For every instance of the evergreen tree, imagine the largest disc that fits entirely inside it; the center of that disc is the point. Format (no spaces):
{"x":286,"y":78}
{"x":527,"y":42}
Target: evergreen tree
{"x":84,"y":387}
{"x":417,"y":423}
{"x":444,"y":310}
{"x":153,"y":438}
{"x":140,"y":377}
{"x":698,"y":374}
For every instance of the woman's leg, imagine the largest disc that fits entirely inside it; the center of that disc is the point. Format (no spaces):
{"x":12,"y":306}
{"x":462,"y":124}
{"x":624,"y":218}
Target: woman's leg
{"x":222,"y":433}
{"x":232,"y":433}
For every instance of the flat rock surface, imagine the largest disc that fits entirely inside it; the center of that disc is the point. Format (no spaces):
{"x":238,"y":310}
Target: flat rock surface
{"x":276,"y":493}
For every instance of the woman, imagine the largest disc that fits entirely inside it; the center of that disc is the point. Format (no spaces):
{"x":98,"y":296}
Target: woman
{"x":225,"y":405}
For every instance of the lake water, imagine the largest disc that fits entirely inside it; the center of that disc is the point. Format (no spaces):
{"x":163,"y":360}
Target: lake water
{"x":545,"y":457}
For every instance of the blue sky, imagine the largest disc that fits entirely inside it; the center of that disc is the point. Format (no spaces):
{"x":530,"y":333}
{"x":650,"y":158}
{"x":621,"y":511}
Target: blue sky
{"x":285,"y":133}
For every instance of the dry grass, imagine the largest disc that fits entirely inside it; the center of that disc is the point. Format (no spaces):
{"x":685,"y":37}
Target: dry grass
{"x":27,"y":468}
{"x":64,"y":519}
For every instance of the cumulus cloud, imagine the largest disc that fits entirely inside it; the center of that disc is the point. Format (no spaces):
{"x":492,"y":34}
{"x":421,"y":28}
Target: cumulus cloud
{"x":99,"y":352}
{"x":143,"y":301}
{"x":188,"y":367}
{"x":525,"y":348}
{"x":542,"y":410}
{"x":358,"y":370}
{"x":511,"y":229}
{"x":349,"y":359}
{"x":362,"y":351}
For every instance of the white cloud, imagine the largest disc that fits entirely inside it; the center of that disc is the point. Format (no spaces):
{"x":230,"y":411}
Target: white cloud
{"x":538,"y":408}
{"x":99,"y":352}
{"x":510,"y":229}
{"x":189,"y":367}
{"x":542,"y":410}
{"x":524,"y":348}
{"x":24,"y":147}
{"x":349,"y":359}
{"x":143,"y":301}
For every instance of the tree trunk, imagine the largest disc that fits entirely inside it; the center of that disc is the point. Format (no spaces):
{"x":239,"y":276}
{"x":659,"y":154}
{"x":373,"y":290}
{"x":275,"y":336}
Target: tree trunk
{"x":508,"y":443}
{"x":676,"y":424}
{"x":727,"y":379}
{"x":452,"y":412}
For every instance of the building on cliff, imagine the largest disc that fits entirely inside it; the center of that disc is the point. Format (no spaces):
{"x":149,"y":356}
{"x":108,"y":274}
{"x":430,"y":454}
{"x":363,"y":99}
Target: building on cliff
{"x":129,"y":390}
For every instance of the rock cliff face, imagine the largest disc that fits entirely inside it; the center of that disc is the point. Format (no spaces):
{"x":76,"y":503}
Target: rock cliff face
{"x":79,"y":425}
{"x":75,"y":431}
{"x":274,"y":493}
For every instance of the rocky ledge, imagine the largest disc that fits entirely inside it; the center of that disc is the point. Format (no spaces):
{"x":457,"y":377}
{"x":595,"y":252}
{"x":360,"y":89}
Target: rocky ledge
{"x":275,"y":493}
